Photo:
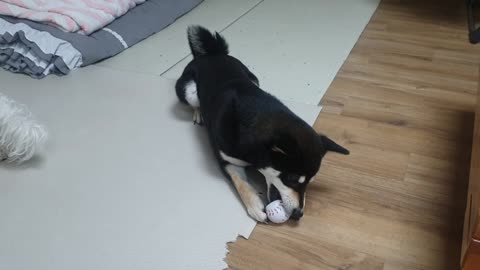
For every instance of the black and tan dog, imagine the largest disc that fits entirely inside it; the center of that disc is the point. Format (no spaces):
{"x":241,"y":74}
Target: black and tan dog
{"x":249,"y":127}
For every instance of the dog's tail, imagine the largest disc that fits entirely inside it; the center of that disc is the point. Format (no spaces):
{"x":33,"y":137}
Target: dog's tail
{"x":203,"y":42}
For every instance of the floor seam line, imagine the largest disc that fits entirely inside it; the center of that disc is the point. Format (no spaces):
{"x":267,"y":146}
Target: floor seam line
{"x":221,"y":30}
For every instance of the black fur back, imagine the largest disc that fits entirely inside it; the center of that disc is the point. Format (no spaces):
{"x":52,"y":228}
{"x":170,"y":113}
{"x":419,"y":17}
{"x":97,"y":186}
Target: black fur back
{"x":202,"y":42}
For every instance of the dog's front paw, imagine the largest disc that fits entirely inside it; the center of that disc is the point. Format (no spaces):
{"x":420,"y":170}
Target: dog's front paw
{"x":258,"y":215}
{"x":256,"y":211}
{"x":197,"y":117}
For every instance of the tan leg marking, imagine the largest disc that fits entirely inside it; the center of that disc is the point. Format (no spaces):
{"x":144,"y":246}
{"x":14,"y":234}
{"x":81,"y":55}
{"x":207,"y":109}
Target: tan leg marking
{"x":249,"y":196}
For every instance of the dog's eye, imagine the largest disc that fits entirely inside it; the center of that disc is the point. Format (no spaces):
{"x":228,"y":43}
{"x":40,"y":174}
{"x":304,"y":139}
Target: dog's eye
{"x":292,"y":178}
{"x":293,"y":183}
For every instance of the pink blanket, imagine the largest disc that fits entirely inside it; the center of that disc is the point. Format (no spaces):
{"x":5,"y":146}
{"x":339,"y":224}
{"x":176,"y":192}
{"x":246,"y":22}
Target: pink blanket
{"x":81,"y":16}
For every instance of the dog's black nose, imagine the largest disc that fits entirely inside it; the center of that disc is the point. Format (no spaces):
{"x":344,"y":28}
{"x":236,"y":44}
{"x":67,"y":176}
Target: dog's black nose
{"x":297,"y":214}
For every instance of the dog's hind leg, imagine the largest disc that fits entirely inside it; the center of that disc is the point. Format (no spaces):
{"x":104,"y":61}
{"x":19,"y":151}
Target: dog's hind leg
{"x":186,"y":89}
{"x":250,"y":198}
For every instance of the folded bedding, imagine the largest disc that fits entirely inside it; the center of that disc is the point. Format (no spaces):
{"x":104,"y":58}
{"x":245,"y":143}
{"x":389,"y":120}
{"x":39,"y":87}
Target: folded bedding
{"x":82,"y":16}
{"x":39,"y":49}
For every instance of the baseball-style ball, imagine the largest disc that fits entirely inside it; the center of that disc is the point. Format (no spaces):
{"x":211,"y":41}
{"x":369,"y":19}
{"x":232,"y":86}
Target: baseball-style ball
{"x":276,"y":213}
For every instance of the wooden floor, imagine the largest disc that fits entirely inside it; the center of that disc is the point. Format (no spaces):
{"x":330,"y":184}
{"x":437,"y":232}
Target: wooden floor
{"x":403,"y":104}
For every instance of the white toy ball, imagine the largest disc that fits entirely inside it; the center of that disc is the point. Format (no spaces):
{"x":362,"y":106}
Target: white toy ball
{"x":276,"y":212}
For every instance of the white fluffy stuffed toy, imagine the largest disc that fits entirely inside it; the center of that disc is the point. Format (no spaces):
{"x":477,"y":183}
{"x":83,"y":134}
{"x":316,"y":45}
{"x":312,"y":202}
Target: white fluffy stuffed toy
{"x":20,"y":134}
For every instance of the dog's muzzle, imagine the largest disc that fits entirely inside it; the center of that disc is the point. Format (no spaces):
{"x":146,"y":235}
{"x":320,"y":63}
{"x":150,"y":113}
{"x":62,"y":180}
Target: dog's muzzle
{"x":274,"y":194}
{"x":297,"y":214}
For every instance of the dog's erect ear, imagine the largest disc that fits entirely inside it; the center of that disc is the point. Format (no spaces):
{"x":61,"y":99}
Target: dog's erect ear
{"x":333,"y":146}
